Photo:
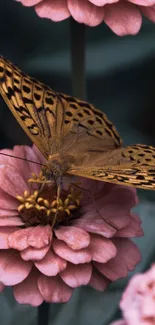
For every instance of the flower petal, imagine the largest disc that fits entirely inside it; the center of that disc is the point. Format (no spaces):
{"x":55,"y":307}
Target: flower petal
{"x":51,"y":264}
{"x":98,"y":281}
{"x":12,"y":181}
{"x":4,"y":233}
{"x":102,"y":249}
{"x":95,"y":225}
{"x":27,"y":292}
{"x":137,"y":303}
{"x":126,"y":259}
{"x":146,"y":3}
{"x":8,"y":202}
{"x":74,"y":237}
{"x":133,"y":229}
{"x":116,"y":206}
{"x":39,"y":236}
{"x":11,"y":221}
{"x":18,"y":239}
{"x":77,"y":275}
{"x":27,"y":153}
{"x":29,"y":3}
{"x":85,"y":12}
{"x":100,"y":3}
{"x":53,"y":9}
{"x":6,"y":160}
{"x":7,"y":213}
{"x":148,"y":12}
{"x":53,"y":289}
{"x":13,"y":269}
{"x":34,"y":254}
{"x":75,"y":257}
{"x":123,"y":18}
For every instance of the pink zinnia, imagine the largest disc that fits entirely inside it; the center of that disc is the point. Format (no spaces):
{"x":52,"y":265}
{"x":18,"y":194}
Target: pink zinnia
{"x":86,"y":248}
{"x":138,"y":300}
{"x":122,"y":16}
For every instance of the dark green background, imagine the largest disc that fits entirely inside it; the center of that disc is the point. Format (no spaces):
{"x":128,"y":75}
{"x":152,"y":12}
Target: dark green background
{"x":120,"y":81}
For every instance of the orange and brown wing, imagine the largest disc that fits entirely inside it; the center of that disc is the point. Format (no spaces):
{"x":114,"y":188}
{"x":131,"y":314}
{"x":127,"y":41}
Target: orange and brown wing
{"x":54,"y":121}
{"x":132,"y":166}
{"x":32,"y":103}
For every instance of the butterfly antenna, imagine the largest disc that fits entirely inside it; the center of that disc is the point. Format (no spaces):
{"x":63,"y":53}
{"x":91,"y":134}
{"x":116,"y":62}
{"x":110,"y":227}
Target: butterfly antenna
{"x":31,"y":161}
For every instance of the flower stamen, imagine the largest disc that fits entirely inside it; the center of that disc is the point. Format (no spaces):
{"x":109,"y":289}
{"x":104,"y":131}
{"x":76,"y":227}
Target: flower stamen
{"x":39,"y":179}
{"x":40,"y":207}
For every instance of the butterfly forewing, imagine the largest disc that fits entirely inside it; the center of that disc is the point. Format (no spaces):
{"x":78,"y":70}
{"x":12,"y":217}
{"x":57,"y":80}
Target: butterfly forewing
{"x":26,"y":100}
{"x":52,"y":119}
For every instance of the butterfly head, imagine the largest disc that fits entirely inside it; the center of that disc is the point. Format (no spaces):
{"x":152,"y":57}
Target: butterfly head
{"x":52,"y":171}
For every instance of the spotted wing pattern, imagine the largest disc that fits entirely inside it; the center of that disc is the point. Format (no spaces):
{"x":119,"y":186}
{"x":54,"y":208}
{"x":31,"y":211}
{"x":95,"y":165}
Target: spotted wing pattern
{"x":56,"y":121}
{"x":50,"y":118}
{"x":132,"y":166}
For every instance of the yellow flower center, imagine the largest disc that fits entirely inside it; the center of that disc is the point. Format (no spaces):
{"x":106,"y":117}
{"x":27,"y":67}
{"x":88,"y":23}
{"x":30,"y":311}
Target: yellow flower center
{"x":42,"y":206}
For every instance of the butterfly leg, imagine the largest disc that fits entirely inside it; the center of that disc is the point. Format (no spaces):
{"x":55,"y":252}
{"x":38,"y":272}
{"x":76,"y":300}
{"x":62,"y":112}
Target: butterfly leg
{"x":59,"y":187}
{"x":90,"y":194}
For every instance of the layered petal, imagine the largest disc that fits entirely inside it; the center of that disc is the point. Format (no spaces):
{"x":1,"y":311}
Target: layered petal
{"x":13,"y":269}
{"x":37,"y":237}
{"x":29,"y":3}
{"x":4,"y":234}
{"x":77,"y":275}
{"x":122,"y":16}
{"x":126,"y":259}
{"x":100,"y":3}
{"x":53,"y":289}
{"x":74,"y":237}
{"x":85,"y":12}
{"x":76,"y":257}
{"x":133,"y":229}
{"x":102,"y":249}
{"x":96,"y":226}
{"x":98,"y":281}
{"x":34,"y":254}
{"x":27,"y":292}
{"x":149,"y":12}
{"x":53,"y":9}
{"x":146,"y":3}
{"x":51,"y":264}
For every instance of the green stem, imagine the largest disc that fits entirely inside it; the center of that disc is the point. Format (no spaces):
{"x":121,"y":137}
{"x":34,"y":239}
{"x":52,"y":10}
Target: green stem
{"x":77,"y":32}
{"x":77,"y":35}
{"x":43,"y":314}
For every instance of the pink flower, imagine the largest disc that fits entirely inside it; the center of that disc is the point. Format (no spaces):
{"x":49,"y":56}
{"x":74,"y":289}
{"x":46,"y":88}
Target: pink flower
{"x":138,"y":300}
{"x":87,"y":247}
{"x":122,"y":16}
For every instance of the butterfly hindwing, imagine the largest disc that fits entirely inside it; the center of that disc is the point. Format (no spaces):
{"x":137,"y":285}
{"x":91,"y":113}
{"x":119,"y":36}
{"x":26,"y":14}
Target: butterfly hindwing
{"x":132,"y":166}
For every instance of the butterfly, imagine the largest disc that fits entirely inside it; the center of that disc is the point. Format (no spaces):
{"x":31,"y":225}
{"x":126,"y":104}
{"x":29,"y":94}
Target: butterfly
{"x":74,"y":137}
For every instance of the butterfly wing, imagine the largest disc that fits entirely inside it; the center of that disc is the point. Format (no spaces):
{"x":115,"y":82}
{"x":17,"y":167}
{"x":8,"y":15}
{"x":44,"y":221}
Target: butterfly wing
{"x":54,"y":121}
{"x":31,"y":102}
{"x":133,"y":166}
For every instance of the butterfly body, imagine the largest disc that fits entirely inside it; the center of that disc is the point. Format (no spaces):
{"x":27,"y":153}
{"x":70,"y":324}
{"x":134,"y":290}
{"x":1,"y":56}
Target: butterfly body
{"x":74,"y":137}
{"x":57,"y":166}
